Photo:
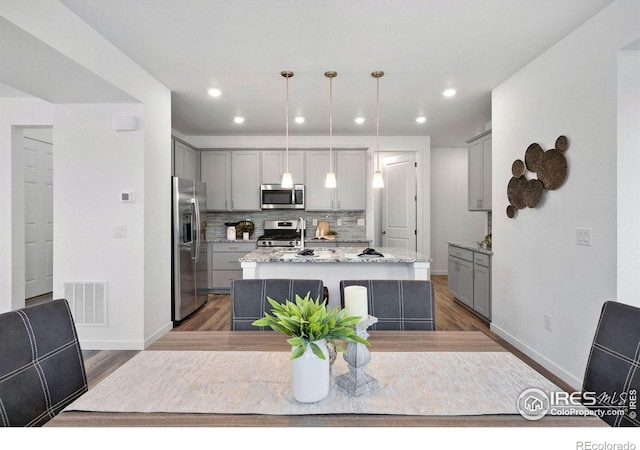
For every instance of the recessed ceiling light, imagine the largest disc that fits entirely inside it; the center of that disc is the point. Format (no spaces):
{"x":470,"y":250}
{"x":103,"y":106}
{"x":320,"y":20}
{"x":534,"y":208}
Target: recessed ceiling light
{"x":359,"y":120}
{"x":238,"y":119}
{"x":299,"y":119}
{"x":449,"y":92}
{"x":421,"y":119}
{"x":214,"y":92}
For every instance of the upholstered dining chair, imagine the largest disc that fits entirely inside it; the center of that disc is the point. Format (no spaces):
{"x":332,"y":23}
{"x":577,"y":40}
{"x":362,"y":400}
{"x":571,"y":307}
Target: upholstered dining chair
{"x":398,"y":304}
{"x":613,"y":367}
{"x":249,"y":298}
{"x":41,"y":364}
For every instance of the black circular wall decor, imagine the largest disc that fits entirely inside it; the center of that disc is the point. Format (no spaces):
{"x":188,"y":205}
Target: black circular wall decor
{"x":551,"y":168}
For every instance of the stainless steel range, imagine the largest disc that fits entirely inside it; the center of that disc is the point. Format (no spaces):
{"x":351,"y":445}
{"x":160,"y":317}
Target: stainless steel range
{"x":281,"y":233}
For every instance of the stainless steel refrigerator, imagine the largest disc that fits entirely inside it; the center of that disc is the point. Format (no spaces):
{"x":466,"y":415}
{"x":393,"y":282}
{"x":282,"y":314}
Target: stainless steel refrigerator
{"x":188,"y":249}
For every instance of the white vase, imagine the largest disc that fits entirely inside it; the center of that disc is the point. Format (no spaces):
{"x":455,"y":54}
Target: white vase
{"x":245,"y":235}
{"x":310,"y":375}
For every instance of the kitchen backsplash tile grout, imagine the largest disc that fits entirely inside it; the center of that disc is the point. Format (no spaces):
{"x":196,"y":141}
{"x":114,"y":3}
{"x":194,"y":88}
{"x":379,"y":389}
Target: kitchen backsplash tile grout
{"x":349,"y":229}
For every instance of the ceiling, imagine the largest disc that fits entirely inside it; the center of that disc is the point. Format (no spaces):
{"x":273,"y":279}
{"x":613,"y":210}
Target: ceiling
{"x":423,"y":46}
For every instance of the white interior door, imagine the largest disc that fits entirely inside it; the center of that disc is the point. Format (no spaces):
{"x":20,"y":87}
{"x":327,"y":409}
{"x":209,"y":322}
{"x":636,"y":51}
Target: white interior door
{"x":38,"y":196}
{"x":399,"y":202}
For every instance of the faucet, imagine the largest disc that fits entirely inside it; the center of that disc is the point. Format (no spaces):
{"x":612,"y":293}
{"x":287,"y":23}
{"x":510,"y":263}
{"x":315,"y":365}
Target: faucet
{"x":300,"y":227}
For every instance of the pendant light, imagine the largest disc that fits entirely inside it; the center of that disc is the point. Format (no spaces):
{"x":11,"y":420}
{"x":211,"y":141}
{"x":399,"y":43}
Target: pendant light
{"x":378,"y":182}
{"x":287,"y":179}
{"x":330,"y":180}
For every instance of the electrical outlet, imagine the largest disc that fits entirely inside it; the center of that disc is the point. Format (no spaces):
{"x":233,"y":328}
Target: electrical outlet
{"x":360,"y":222}
{"x":339,"y":222}
{"x":315,"y":222}
{"x":547,"y":322}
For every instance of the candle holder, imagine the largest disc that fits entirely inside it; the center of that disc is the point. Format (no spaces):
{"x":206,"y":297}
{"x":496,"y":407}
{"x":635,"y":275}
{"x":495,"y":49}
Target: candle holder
{"x":357,"y":356}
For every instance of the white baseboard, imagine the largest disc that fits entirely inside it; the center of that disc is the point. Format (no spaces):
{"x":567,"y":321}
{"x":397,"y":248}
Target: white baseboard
{"x":574,"y":382}
{"x":439,"y":272}
{"x":158,"y":334}
{"x":86,"y":344}
{"x":111,"y":345}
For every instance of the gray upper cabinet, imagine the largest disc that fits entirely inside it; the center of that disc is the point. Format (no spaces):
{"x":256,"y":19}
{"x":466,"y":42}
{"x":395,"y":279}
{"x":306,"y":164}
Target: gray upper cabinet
{"x":245,"y":180}
{"x":274,"y":165}
{"x":215,"y":170}
{"x":233,"y":179}
{"x":350,"y":170}
{"x":351,"y":180}
{"x":317,"y":197}
{"x":480,"y":172}
{"x":184,"y":160}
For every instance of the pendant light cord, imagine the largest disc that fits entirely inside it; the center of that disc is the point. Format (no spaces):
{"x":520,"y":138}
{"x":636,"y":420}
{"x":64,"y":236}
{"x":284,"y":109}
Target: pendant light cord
{"x":287,"y":129}
{"x":378,"y":122}
{"x":330,"y":123}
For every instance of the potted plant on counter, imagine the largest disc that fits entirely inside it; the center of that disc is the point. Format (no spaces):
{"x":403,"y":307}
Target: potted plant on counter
{"x":246,"y":229}
{"x":310,"y":325}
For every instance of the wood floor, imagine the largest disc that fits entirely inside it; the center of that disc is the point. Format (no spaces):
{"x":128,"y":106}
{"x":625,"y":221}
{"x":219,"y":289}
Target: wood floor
{"x":215,"y":315}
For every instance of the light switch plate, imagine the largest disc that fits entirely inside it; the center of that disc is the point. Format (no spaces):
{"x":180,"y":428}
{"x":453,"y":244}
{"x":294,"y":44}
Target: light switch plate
{"x":120,"y":231}
{"x":583,"y":236}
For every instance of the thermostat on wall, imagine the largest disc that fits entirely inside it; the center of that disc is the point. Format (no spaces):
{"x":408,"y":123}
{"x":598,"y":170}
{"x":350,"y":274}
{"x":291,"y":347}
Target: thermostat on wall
{"x":126,"y":197}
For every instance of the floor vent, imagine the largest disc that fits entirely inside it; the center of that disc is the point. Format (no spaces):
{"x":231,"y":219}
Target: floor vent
{"x":88,"y":301}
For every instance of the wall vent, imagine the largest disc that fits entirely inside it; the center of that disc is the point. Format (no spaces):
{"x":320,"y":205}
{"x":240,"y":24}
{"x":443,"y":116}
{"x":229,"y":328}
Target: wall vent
{"x":88,"y":301}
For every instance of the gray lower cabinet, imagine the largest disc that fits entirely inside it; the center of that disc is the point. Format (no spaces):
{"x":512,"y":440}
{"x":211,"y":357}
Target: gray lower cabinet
{"x":224,"y":264}
{"x":320,"y":244}
{"x":469,"y":275}
{"x":482,"y":284}
{"x":334,"y":244}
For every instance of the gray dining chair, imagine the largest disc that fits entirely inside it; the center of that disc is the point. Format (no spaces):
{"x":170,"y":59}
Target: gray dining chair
{"x":398,"y":304}
{"x":612,"y":375}
{"x":41,"y":365}
{"x":249,"y":298}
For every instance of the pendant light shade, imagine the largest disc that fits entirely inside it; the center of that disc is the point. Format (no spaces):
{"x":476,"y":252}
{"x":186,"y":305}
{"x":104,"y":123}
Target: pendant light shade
{"x":287,"y":179}
{"x":330,"y":180}
{"x":378,"y":182}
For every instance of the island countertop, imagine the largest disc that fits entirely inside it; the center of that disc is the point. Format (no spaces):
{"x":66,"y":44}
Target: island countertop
{"x":333,"y":255}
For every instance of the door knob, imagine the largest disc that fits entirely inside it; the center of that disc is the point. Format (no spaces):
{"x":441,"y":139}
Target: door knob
{"x":384,"y":232}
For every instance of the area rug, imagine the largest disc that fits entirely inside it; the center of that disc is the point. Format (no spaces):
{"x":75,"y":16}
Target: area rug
{"x":428,"y":383}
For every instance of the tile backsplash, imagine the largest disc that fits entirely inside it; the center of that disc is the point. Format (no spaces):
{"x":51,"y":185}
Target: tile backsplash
{"x":348,"y":229}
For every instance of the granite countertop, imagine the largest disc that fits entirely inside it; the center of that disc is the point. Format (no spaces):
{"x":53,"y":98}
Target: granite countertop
{"x":231,"y":241}
{"x":333,"y":255}
{"x":473,"y":247}
{"x":313,"y":240}
{"x":316,"y":240}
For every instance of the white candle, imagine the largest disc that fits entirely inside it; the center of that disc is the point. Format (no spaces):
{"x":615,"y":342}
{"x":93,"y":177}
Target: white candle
{"x":355,"y":301}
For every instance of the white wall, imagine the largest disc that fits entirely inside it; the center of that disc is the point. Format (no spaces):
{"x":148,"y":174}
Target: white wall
{"x":144,"y":311}
{"x":92,"y":165}
{"x":628,"y":168}
{"x":14,"y":114}
{"x":419,"y":144}
{"x":451,"y":219}
{"x":537,"y":268}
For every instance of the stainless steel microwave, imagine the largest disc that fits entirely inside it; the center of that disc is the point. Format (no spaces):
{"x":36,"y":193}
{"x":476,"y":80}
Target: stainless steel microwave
{"x":274,"y":196}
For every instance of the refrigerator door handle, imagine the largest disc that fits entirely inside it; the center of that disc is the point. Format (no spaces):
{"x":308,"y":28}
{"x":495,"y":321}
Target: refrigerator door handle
{"x":195,"y":206}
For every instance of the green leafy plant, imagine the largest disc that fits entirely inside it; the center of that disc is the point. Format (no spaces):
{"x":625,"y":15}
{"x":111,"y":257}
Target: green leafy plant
{"x":308,"y":320}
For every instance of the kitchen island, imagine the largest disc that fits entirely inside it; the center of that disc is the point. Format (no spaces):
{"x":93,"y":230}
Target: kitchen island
{"x":334,"y":264}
